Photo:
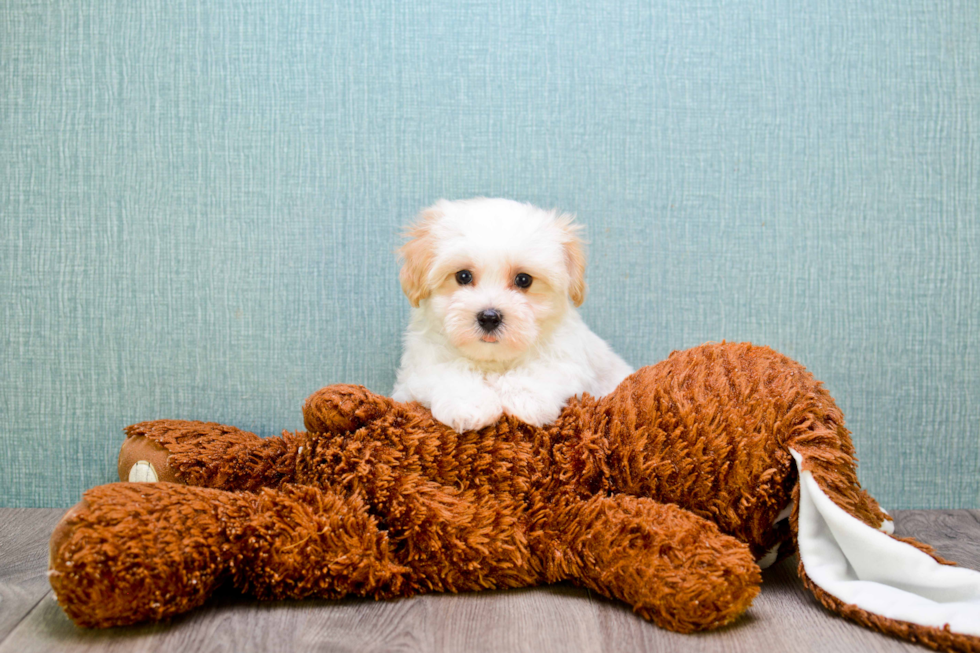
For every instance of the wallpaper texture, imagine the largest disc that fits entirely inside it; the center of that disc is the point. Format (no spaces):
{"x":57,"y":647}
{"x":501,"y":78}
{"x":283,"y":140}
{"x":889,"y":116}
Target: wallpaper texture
{"x":200,"y":202}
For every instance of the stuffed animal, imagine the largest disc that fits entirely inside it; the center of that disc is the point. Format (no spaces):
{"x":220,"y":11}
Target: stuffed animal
{"x":665,"y":494}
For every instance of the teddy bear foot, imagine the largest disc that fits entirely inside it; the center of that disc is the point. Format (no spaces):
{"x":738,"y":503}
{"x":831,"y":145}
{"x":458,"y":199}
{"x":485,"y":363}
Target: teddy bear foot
{"x":131,"y":552}
{"x":134,"y":552}
{"x":675,"y":568}
{"x":206,"y":454}
{"x":142,"y":460}
{"x":62,"y":531}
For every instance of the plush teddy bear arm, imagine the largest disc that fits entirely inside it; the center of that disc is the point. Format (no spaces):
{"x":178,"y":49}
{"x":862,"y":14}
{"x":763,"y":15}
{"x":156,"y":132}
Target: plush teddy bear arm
{"x":133,"y":552}
{"x":206,"y":454}
{"x":343,"y":407}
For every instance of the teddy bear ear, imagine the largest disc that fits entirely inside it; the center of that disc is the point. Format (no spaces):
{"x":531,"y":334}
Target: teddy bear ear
{"x":574,"y":257}
{"x":417,"y":255}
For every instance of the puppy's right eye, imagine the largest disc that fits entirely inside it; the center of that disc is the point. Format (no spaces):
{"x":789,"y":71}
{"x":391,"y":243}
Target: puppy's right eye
{"x":464,"y":277}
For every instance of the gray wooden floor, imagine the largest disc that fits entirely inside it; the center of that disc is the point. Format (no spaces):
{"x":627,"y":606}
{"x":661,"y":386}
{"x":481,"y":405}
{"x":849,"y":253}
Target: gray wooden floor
{"x":541,"y":620}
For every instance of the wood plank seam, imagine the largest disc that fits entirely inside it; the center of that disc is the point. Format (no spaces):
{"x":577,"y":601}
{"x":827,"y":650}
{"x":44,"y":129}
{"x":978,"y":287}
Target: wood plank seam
{"x":26,"y":615}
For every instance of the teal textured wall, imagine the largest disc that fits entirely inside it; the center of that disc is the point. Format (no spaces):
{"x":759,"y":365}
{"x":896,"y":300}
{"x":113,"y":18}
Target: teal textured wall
{"x":200,"y":202}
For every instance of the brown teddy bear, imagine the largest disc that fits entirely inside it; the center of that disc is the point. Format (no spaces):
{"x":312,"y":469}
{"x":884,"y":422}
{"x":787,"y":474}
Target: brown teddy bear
{"x":663,"y":494}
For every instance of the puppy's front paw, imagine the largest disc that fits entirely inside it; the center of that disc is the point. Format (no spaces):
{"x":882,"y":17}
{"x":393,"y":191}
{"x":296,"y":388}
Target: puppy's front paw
{"x":468,"y":413}
{"x":527,"y":402}
{"x":536,"y":411}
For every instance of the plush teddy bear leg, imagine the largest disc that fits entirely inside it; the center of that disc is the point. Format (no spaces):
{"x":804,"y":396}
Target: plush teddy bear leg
{"x":303,"y":542}
{"x":206,"y":454}
{"x":143,"y":552}
{"x":675,"y":568}
{"x":136,"y":552}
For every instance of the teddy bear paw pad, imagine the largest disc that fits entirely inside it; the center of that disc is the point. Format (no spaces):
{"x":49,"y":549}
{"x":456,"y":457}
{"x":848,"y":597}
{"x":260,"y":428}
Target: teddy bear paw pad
{"x":143,"y":472}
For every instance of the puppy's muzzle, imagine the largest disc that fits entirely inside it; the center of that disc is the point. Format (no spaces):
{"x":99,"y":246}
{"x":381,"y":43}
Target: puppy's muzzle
{"x":489,"y":319}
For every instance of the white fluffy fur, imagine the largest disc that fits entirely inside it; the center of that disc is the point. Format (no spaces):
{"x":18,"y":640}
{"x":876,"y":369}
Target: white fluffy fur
{"x":542,"y":353}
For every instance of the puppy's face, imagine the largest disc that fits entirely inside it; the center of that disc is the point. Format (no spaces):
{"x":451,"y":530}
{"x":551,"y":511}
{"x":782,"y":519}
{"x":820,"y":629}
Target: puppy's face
{"x":492,"y":275}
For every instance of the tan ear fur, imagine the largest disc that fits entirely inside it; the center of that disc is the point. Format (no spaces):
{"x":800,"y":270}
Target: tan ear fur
{"x":574,"y":258}
{"x":418,"y":254}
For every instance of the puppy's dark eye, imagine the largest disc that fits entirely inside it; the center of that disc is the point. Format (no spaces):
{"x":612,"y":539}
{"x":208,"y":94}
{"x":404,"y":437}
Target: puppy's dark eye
{"x":464,"y":277}
{"x":523,"y":280}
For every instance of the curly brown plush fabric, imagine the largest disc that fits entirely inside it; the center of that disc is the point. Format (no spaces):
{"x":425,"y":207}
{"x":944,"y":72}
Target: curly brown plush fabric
{"x":661,"y":494}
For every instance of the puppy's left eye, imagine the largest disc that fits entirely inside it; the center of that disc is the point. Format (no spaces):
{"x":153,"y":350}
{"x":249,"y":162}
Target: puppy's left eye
{"x":523,"y":280}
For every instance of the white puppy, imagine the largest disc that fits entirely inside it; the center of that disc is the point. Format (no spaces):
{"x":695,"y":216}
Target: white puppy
{"x":494,"y":284}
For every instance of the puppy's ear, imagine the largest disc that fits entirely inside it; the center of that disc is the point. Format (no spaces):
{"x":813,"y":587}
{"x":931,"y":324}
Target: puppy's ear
{"x":574,"y":257}
{"x":417,"y":255}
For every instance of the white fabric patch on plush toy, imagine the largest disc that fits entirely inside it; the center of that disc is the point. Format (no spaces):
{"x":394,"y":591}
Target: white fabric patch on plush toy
{"x":143,"y":472}
{"x":865,"y":567}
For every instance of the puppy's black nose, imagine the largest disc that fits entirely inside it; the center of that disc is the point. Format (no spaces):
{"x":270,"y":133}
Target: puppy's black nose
{"x":489,"y":319}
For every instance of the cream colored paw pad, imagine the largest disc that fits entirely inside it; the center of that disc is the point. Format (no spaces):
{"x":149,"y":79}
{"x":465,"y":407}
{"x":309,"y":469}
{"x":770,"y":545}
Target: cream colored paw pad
{"x":143,"y":472}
